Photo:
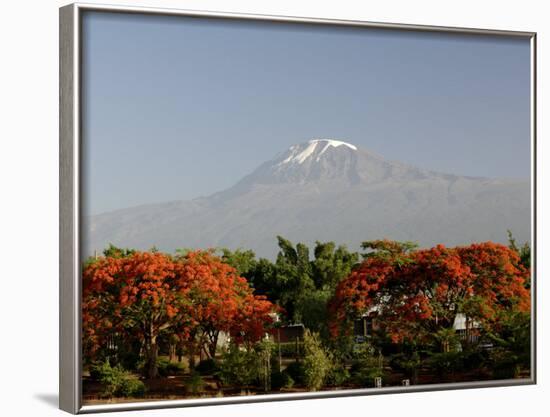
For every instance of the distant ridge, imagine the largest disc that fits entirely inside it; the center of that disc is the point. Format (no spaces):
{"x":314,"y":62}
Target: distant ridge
{"x":326,"y":189}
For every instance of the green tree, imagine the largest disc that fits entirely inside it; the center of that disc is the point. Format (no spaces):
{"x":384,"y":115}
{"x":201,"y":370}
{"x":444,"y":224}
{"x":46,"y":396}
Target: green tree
{"x":317,"y":362}
{"x":331,"y":264}
{"x":524,"y":251}
{"x":263,"y":278}
{"x":367,"y":364}
{"x":244,"y":261}
{"x":239,"y":367}
{"x":512,"y":344}
{"x":113,"y":251}
{"x":293,"y":277}
{"x":387,"y":249}
{"x":313,"y":312}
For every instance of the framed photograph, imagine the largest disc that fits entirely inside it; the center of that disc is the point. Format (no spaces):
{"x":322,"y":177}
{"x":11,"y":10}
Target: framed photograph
{"x":261,"y":208}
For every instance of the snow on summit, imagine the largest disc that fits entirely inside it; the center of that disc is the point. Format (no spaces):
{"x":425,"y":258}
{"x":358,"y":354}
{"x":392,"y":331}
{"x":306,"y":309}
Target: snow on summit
{"x":299,"y":153}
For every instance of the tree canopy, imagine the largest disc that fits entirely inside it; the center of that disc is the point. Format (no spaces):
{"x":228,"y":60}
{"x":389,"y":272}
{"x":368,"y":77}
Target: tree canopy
{"x":194,"y":295}
{"x":416,"y":293}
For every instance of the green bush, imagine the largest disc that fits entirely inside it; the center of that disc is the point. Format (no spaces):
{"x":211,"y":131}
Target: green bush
{"x":281,"y":380}
{"x":365,"y":375}
{"x":367,"y":365}
{"x":167,"y":368}
{"x":505,"y":364}
{"x":117,"y":382}
{"x":132,"y":387}
{"x":296,"y":372}
{"x":238,"y":367}
{"x":317,"y":362}
{"x":95,"y":371}
{"x":473,"y":359}
{"x":207,"y":367}
{"x":446,"y":363}
{"x":195,"y":383}
{"x":408,"y":363}
{"x":337,"y":376}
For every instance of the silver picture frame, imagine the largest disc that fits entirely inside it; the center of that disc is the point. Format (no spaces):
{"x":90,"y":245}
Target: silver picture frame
{"x":70,"y":154}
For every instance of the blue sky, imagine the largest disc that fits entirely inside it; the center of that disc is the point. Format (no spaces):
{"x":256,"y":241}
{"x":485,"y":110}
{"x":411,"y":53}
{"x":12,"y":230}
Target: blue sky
{"x":176,"y":108}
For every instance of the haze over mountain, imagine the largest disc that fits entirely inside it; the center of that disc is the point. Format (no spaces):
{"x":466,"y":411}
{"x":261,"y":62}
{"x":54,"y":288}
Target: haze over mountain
{"x":325,"y":190}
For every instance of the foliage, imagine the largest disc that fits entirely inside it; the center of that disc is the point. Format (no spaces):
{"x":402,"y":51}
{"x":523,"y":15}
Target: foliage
{"x":445,"y":363}
{"x":524,"y":251}
{"x":263,"y":351}
{"x":207,"y":367}
{"x":117,"y":382}
{"x":132,"y":387}
{"x":512,"y":345}
{"x":238,"y":366}
{"x":417,"y":293}
{"x":293,"y":277}
{"x":448,"y":340}
{"x":167,"y":368}
{"x":113,"y":251}
{"x":407,"y":362}
{"x":221,"y":301}
{"x":281,"y":380}
{"x":387,"y":249}
{"x":300,"y":285}
{"x":338,"y":375}
{"x":317,"y":361}
{"x":195,"y":383}
{"x":137,"y":292}
{"x":504,"y":364}
{"x":296,"y":372}
{"x":148,"y":294}
{"x":367,"y":365}
{"x":312,"y":311}
{"x":331,"y":264}
{"x":244,"y":261}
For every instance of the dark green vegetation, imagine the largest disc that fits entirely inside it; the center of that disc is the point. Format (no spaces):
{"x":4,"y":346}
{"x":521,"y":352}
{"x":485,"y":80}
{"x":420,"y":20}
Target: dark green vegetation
{"x":299,"y":350}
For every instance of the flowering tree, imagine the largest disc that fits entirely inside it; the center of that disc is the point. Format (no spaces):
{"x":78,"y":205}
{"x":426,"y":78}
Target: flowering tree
{"x":417,"y":293}
{"x":139,"y":294}
{"x":221,"y":301}
{"x":194,"y":296}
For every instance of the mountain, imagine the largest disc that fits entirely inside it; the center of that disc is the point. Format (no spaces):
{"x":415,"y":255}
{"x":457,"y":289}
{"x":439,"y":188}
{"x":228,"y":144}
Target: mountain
{"x":325,"y":190}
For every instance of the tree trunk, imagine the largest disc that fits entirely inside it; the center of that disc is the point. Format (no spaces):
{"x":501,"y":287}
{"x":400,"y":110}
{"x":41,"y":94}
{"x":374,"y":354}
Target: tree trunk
{"x":151,"y":355}
{"x":172,"y":352}
{"x":192,"y":351}
{"x":213,"y":344}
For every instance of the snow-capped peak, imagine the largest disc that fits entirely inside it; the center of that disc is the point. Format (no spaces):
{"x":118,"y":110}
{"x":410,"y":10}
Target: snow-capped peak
{"x":299,"y":153}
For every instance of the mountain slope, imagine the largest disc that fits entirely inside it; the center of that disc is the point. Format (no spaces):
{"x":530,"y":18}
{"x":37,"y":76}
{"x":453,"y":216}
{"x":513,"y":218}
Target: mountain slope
{"x":326,"y":190}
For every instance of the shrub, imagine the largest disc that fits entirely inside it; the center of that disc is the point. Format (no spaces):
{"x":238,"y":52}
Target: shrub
{"x":281,"y":380}
{"x":406,"y":363}
{"x":207,"y":367}
{"x":337,"y":376}
{"x":263,"y":351}
{"x":132,"y":387}
{"x":167,"y":368}
{"x":195,"y":383}
{"x":296,"y":372}
{"x":117,"y":382}
{"x":505,"y":364}
{"x":367,"y":365}
{"x":317,"y":362}
{"x":238,"y":367}
{"x":473,"y":359}
{"x":95,"y":371}
{"x":446,"y":363}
